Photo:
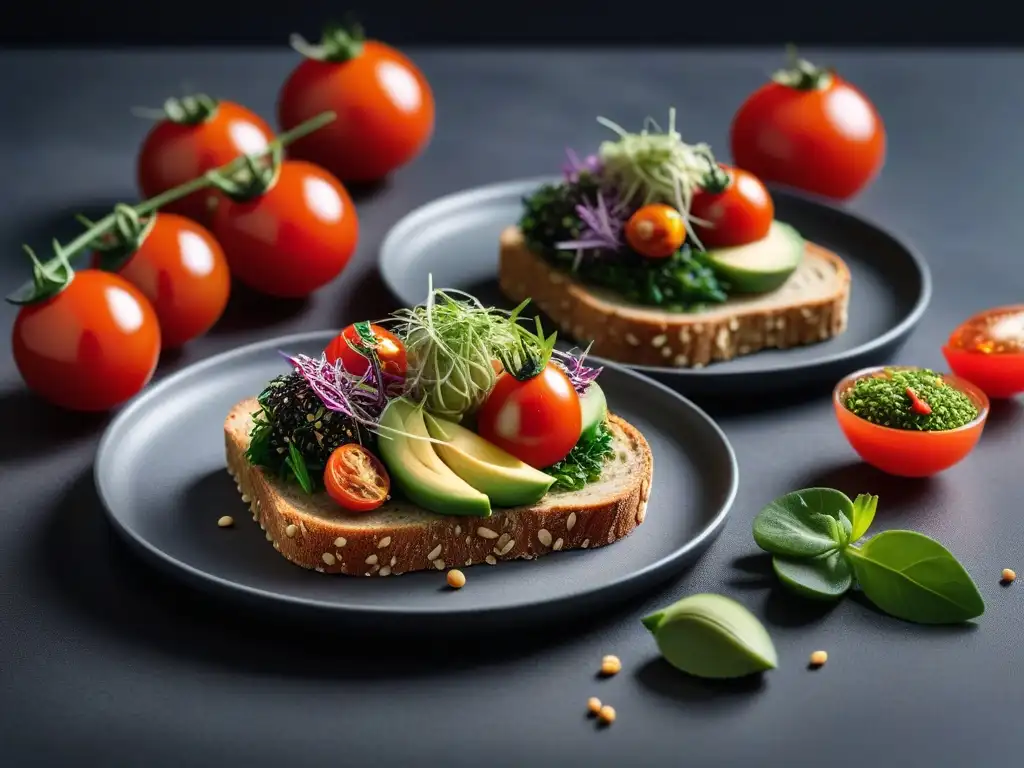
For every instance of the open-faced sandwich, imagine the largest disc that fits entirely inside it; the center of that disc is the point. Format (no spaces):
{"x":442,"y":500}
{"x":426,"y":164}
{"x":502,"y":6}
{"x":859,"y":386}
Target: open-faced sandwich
{"x":450,"y":434}
{"x":656,"y":254}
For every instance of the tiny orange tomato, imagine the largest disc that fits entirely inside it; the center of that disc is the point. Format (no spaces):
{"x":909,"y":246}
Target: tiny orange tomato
{"x":656,"y":231}
{"x":356,"y":479}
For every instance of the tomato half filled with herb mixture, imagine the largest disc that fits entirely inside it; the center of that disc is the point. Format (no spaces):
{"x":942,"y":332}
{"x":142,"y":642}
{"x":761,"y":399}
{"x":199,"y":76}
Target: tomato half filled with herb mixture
{"x":988,"y":350}
{"x":292,"y":238}
{"x":736,"y":206}
{"x":356,"y":479}
{"x":537,"y":419}
{"x":354,"y":345}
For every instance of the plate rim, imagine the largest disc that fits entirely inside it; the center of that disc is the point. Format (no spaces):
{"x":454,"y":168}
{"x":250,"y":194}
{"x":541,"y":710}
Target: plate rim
{"x":696,"y":544}
{"x":429,"y":210}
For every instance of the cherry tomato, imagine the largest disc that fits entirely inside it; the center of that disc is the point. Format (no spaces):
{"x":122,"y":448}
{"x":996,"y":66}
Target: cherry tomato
{"x":356,"y":479}
{"x":656,"y":231}
{"x":538,"y":420}
{"x":384,"y":105}
{"x":988,"y":350}
{"x":294,"y":238}
{"x":390,"y":351}
{"x":91,"y":346}
{"x":905,"y":452}
{"x":737,"y":206}
{"x":181,"y":269}
{"x":197,"y":135}
{"x":811,"y":130}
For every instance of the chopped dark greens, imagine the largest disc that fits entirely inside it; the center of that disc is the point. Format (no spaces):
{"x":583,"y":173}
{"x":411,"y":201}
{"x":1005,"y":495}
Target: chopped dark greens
{"x":584,"y":463}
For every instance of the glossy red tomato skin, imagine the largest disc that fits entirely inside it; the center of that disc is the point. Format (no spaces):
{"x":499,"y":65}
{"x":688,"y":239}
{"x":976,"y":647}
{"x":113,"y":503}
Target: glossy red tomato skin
{"x":384,"y":107}
{"x":538,"y":421}
{"x":390,"y":351}
{"x":92,"y":346}
{"x":336,"y":471}
{"x":181,"y":269}
{"x":293,"y":239}
{"x":174,"y":153}
{"x":741,"y":214}
{"x":828,"y":141}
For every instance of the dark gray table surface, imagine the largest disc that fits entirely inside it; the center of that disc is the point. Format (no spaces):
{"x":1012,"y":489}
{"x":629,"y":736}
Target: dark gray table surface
{"x":103,"y":663}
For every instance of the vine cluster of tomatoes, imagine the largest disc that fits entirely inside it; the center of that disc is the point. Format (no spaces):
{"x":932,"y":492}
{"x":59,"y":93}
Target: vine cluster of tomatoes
{"x":222,"y":201}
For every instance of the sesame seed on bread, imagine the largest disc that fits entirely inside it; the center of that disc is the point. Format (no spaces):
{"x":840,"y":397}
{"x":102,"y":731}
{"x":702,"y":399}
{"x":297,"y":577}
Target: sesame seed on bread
{"x":808,"y":308}
{"x":314,"y":532}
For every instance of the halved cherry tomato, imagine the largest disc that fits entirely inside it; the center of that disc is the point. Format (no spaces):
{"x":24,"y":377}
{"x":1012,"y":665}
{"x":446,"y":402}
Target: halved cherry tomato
{"x":356,"y":479}
{"x":384,"y":105}
{"x":181,"y":269}
{"x":346,"y":347}
{"x":537,"y":420}
{"x":198,"y":134}
{"x":988,"y":350}
{"x":294,"y":238}
{"x":656,"y":231}
{"x":811,"y":130}
{"x":905,"y":452}
{"x":91,"y":346}
{"x":736,"y":205}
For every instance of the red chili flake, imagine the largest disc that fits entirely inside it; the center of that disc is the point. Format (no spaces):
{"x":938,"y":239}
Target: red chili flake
{"x":917,"y":405}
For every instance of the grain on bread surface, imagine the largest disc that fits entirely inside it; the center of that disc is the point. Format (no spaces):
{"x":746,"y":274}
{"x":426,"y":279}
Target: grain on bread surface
{"x":810,"y":307}
{"x":314,"y":532}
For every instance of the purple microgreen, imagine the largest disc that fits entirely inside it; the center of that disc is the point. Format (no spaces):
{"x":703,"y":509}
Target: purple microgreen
{"x":574,"y":167}
{"x":603,"y":222}
{"x":360,"y":398}
{"x":580,"y":375}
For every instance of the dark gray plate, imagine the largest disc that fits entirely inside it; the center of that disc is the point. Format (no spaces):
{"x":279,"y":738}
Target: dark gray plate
{"x":455,"y":239}
{"x":161,"y":475}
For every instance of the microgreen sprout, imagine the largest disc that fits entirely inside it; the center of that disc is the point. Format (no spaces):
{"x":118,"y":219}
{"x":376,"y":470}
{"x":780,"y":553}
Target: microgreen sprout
{"x":574,"y":166}
{"x":603,"y":222}
{"x":580,"y":375}
{"x":361,"y":398}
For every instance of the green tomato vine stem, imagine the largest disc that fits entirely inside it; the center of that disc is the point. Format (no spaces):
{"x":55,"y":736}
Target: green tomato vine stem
{"x":52,"y":276}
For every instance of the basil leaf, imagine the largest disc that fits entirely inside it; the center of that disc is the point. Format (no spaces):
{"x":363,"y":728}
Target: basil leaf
{"x":802,"y":523}
{"x":913,"y":577}
{"x":826,"y":577}
{"x":864,"y":507}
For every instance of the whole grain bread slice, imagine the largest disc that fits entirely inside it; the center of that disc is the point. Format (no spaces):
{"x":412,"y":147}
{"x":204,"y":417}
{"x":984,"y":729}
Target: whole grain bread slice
{"x":399,"y":537}
{"x":808,"y":308}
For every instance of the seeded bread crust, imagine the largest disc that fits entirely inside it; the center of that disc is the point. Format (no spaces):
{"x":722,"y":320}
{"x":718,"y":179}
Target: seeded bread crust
{"x":313,"y":532}
{"x":810,"y":307}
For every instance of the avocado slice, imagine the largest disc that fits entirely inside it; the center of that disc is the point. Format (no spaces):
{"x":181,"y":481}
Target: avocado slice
{"x":594,"y":406}
{"x":760,"y":266}
{"x":506,"y":480}
{"x":430,"y":484}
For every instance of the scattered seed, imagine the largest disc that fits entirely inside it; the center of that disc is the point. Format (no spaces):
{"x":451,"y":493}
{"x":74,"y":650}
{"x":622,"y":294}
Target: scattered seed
{"x":456,"y":579}
{"x":227,"y":521}
{"x":571,"y":521}
{"x":340,"y":542}
{"x":544,"y":537}
{"x":593,"y":705}
{"x":818,"y":658}
{"x":439,"y":564}
{"x":371,"y":560}
{"x":328,"y":558}
{"x":386,"y":541}
{"x":291,"y":530}
{"x":486,"y":533}
{"x":606,"y":714}
{"x":268,"y":536}
{"x":434,"y":553}
{"x":491,"y":560}
{"x":610,"y":665}
{"x":1009,"y":575}
{"x":245,"y":498}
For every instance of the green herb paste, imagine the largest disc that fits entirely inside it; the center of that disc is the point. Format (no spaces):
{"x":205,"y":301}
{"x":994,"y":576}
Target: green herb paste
{"x":884,"y":400}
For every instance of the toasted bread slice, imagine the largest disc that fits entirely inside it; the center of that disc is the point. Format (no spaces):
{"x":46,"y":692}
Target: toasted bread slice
{"x":314,"y":532}
{"x":809,"y":307}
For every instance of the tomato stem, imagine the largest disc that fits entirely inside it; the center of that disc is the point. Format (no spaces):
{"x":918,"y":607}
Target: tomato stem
{"x":801,"y":74}
{"x":338,"y":43}
{"x":258,"y":177}
{"x":716,"y":180}
{"x":534,"y":351}
{"x":121,"y":223}
{"x":191,"y":110}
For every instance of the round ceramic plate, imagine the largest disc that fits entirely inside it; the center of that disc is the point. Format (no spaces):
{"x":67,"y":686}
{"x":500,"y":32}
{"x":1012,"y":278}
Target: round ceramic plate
{"x":160,"y":472}
{"x":455,"y":240}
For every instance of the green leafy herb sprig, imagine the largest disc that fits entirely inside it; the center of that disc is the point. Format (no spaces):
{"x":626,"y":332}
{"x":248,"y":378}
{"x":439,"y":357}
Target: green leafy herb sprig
{"x":812,"y":535}
{"x":584,"y":463}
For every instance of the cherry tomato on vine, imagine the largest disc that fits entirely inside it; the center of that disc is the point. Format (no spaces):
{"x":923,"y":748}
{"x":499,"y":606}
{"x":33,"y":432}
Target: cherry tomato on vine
{"x":656,"y":231}
{"x":90,"y":346}
{"x":197,"y":134}
{"x":181,"y":269}
{"x":346,"y":347}
{"x":737,"y":206}
{"x":537,"y":420}
{"x":987,"y":349}
{"x":384,"y":105}
{"x":811,"y":130}
{"x":356,"y":479}
{"x":291,"y":239}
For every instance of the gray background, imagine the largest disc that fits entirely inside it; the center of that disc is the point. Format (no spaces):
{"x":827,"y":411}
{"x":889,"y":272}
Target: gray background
{"x":105,"y":663}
